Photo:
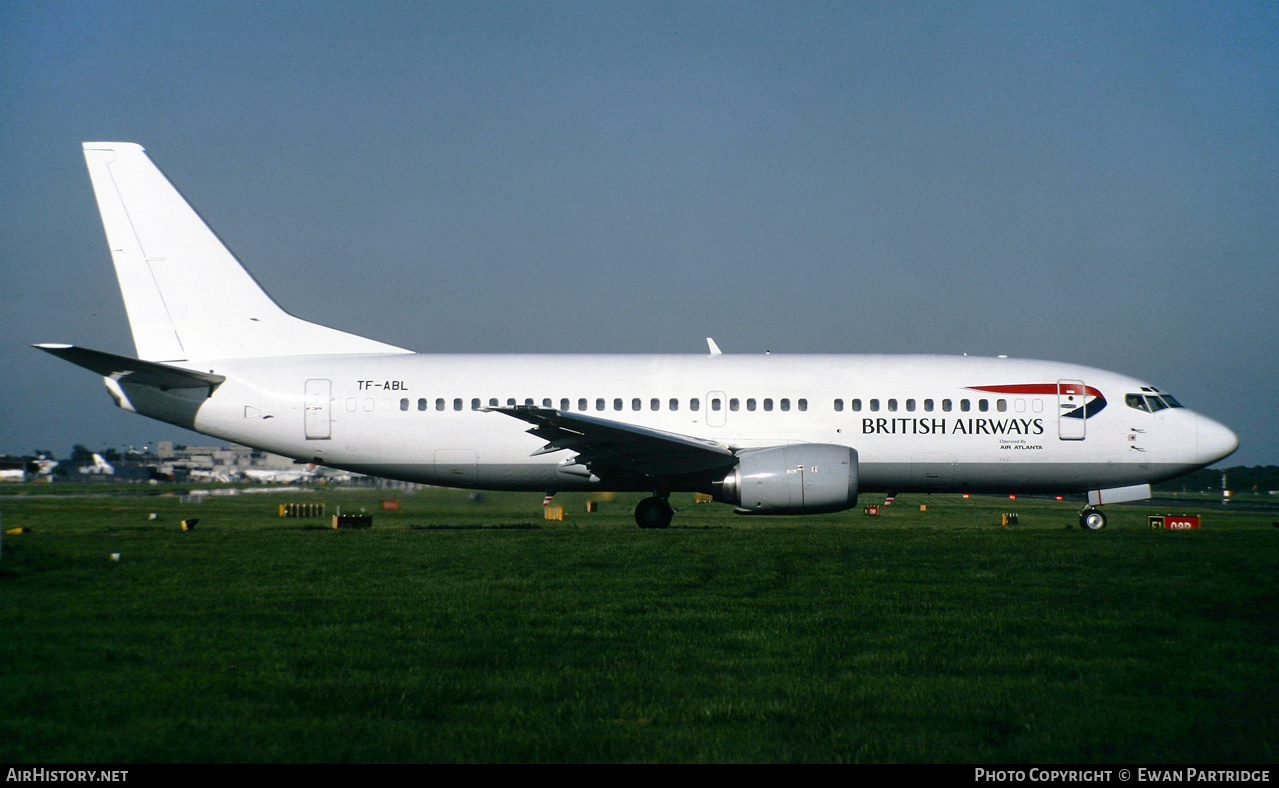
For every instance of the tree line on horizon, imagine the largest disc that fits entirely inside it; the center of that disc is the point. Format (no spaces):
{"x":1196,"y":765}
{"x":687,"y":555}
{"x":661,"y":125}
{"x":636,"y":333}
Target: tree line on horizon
{"x":1239,"y":480}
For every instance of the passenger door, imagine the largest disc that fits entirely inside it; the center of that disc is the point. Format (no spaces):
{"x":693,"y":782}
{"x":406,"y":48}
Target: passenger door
{"x":1071,"y":399}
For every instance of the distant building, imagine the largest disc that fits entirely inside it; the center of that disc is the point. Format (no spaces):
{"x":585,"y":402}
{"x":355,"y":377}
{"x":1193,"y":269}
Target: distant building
{"x":13,"y":469}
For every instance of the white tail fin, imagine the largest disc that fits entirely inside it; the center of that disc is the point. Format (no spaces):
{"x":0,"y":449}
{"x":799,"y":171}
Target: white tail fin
{"x":186,"y":294}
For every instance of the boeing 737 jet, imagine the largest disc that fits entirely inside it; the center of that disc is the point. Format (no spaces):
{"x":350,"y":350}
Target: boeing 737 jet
{"x":768,"y":434}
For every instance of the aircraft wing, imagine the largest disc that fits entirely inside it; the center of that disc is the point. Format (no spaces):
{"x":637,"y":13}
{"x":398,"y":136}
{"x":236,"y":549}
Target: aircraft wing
{"x":609,"y":448}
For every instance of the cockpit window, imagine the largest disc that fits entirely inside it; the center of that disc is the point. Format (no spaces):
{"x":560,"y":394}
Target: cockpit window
{"x":1151,"y":402}
{"x":1168,"y":399}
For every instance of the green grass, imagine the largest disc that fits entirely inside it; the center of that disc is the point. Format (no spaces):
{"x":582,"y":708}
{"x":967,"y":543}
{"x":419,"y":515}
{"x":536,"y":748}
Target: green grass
{"x":455,"y":631}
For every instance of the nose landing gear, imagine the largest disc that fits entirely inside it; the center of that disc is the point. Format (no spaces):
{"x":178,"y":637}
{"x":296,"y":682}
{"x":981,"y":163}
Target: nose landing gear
{"x":1091,"y":519}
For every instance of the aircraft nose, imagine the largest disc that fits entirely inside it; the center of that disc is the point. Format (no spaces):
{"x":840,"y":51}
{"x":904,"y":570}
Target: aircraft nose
{"x":1215,"y":441}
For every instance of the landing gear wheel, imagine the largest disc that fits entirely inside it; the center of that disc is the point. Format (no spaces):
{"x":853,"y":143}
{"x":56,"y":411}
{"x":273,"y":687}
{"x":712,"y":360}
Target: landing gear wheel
{"x":654,"y":513}
{"x":1092,"y":520}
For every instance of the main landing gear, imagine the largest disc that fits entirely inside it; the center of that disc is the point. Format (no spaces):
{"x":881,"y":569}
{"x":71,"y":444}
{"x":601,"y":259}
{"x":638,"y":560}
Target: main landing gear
{"x":1091,"y":519}
{"x":655,"y":512}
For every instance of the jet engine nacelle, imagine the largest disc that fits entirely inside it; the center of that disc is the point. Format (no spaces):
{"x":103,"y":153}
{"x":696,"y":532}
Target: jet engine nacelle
{"x":806,"y":478}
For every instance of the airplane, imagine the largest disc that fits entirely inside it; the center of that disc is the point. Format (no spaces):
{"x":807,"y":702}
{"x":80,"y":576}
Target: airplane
{"x":282,"y":475}
{"x":768,"y":434}
{"x":99,"y":466}
{"x":44,"y":465}
{"x":205,"y":475}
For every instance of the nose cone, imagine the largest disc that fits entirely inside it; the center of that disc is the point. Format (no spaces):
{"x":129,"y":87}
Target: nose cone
{"x":1215,"y":441}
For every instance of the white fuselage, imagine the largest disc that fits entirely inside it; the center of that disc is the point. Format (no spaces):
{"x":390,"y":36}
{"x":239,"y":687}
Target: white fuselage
{"x":769,"y":434}
{"x":917,"y":423}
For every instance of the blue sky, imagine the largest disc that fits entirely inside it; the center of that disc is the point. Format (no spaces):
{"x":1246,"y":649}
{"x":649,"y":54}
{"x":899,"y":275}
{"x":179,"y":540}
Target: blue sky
{"x":1088,"y":182}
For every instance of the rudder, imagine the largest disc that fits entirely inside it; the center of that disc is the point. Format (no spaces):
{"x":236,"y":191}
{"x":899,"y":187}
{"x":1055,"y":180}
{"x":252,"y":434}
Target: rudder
{"x":186,"y":294}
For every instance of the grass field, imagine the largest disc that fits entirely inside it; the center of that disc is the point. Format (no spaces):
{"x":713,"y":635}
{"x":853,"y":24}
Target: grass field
{"x":460,"y":631}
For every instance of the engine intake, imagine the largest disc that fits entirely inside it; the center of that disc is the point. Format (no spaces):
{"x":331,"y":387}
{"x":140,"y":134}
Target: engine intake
{"x":807,"y":478}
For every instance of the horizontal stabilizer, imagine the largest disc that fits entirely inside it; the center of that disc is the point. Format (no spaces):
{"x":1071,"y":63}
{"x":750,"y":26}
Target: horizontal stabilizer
{"x":145,"y":373}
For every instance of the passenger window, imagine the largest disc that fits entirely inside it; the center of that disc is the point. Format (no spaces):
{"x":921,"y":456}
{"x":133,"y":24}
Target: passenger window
{"x":655,"y":404}
{"x":839,"y":406}
{"x":768,"y":404}
{"x":983,"y":405}
{"x":857,"y":405}
{"x":581,"y":404}
{"x":617,"y":403}
{"x":564,"y":403}
{"x":892,"y":405}
{"x":475,"y":404}
{"x":546,"y":403}
{"x":599,"y":403}
{"x":674,"y":404}
{"x":1019,"y":405}
{"x":734,"y":405}
{"x":715,"y":403}
{"x":404,"y":404}
{"x":750,"y":404}
{"x":874,"y":404}
{"x":421,"y":404}
{"x":636,"y":404}
{"x":945,"y":405}
{"x":510,"y":402}
{"x":1037,"y":405}
{"x":457,"y":403}
{"x":802,"y":404}
{"x":492,"y":402}
{"x":785,"y":403}
{"x":928,"y":406}
{"x":694,"y":404}
{"x":439,"y":404}
{"x":910,"y":405}
{"x":964,"y":405}
{"x":369,"y":404}
{"x":1001,"y":405}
